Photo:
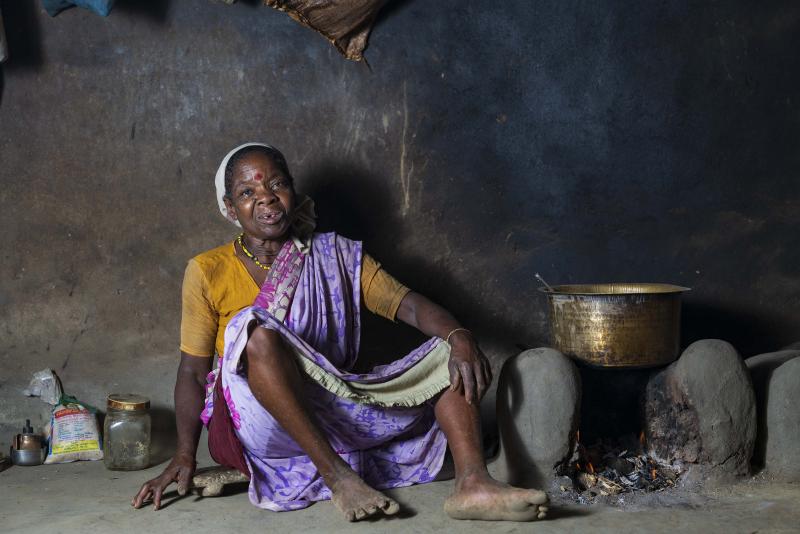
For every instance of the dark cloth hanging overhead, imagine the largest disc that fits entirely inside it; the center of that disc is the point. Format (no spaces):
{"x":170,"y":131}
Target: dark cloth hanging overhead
{"x":101,"y":7}
{"x":345,"y":23}
{"x":3,"y":41}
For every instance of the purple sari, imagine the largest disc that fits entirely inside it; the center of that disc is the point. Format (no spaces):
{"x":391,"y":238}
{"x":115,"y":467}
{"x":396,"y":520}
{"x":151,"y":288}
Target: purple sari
{"x":313,"y":300}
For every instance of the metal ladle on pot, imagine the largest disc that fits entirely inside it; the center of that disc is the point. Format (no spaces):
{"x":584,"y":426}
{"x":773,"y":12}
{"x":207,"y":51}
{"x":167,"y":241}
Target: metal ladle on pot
{"x":549,"y":288}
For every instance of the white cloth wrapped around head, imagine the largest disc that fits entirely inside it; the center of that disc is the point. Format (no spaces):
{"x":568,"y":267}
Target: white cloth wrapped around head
{"x":304,"y":219}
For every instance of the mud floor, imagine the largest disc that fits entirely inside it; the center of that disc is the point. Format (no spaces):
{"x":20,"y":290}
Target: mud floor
{"x":85,"y":497}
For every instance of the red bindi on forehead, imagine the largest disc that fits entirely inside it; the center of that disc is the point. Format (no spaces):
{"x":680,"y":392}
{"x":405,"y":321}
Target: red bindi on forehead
{"x":258,"y":176}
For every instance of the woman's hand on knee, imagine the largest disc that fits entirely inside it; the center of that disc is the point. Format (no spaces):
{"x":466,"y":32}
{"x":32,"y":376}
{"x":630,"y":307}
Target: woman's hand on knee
{"x":180,"y":470}
{"x":469,"y":368}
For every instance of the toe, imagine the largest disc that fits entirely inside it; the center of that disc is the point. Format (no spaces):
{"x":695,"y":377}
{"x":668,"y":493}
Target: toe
{"x":537,"y":497}
{"x":360,"y":514}
{"x":350,"y":515}
{"x":390,"y":507}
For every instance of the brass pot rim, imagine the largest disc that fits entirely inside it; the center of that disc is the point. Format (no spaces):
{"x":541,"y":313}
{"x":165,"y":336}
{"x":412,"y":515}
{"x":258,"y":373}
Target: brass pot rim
{"x":616,"y":289}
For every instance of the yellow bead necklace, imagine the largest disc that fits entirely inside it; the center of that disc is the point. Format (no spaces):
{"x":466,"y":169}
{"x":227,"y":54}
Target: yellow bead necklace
{"x":249,"y":254}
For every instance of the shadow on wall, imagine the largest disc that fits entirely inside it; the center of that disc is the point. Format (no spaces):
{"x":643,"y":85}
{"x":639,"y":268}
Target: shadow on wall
{"x":164,"y":434}
{"x":355,"y":204}
{"x":351,"y":202}
{"x":750,"y":333}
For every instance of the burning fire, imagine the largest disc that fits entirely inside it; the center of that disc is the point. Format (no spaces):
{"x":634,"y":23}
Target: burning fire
{"x":603,"y":468}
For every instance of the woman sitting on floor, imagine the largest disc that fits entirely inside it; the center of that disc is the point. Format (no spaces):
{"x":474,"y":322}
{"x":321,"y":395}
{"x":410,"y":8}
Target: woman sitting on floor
{"x":280,"y":305}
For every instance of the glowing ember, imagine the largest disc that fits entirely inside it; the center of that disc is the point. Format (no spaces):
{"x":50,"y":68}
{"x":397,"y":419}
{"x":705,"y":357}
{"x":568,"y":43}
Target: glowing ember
{"x":607,"y":468}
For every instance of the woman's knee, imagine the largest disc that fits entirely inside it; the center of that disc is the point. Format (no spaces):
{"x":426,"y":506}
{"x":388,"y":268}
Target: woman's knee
{"x":265,"y":343}
{"x":267,"y":357}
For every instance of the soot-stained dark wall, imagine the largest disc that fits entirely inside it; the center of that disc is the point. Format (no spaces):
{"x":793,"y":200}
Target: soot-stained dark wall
{"x":588,"y":141}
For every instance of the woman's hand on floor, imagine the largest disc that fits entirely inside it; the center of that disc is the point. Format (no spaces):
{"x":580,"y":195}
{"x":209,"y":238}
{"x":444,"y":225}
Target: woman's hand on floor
{"x":179,"y":470}
{"x":469,"y":367}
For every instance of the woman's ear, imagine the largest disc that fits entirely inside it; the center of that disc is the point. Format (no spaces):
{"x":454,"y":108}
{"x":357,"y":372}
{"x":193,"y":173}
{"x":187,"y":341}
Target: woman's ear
{"x":230,"y":212}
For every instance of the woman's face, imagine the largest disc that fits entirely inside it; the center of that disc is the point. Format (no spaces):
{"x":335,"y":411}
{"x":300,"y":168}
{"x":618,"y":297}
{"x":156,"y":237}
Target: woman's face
{"x":262,"y":198}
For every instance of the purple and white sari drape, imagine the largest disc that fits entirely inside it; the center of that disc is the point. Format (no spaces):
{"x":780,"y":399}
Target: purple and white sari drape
{"x":313,"y":301}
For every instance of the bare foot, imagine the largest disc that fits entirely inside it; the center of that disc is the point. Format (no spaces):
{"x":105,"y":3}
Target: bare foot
{"x":482,"y":497}
{"x":356,"y":500}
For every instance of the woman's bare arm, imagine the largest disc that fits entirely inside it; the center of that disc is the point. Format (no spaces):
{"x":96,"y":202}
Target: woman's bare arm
{"x":469,"y":368}
{"x":189,"y":402}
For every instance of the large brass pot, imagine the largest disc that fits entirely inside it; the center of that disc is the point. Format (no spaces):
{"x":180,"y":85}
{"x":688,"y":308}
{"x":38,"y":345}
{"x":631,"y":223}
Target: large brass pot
{"x":616,"y":325}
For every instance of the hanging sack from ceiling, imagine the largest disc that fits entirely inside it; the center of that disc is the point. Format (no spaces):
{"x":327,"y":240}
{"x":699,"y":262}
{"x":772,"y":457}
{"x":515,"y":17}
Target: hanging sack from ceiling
{"x":345,"y":23}
{"x":3,"y":41}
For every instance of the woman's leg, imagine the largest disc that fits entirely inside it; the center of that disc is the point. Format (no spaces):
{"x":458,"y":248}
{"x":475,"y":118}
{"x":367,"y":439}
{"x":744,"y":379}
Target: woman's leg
{"x":276,"y":383}
{"x":477,"y":495}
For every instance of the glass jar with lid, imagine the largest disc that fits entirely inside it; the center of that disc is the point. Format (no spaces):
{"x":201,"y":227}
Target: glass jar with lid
{"x":126,"y":432}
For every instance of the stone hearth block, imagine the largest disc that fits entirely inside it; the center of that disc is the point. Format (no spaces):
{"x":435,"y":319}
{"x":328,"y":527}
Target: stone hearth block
{"x":761,"y":368}
{"x":783,"y":422}
{"x":701,"y":411}
{"x":212,"y":480}
{"x":538,"y":409}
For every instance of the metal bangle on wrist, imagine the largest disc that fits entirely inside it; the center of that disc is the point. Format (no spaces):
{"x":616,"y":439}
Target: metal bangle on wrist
{"x":447,"y":339}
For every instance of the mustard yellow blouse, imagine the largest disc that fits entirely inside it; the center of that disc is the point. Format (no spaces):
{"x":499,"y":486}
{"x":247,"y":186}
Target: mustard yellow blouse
{"x":216,"y":286}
